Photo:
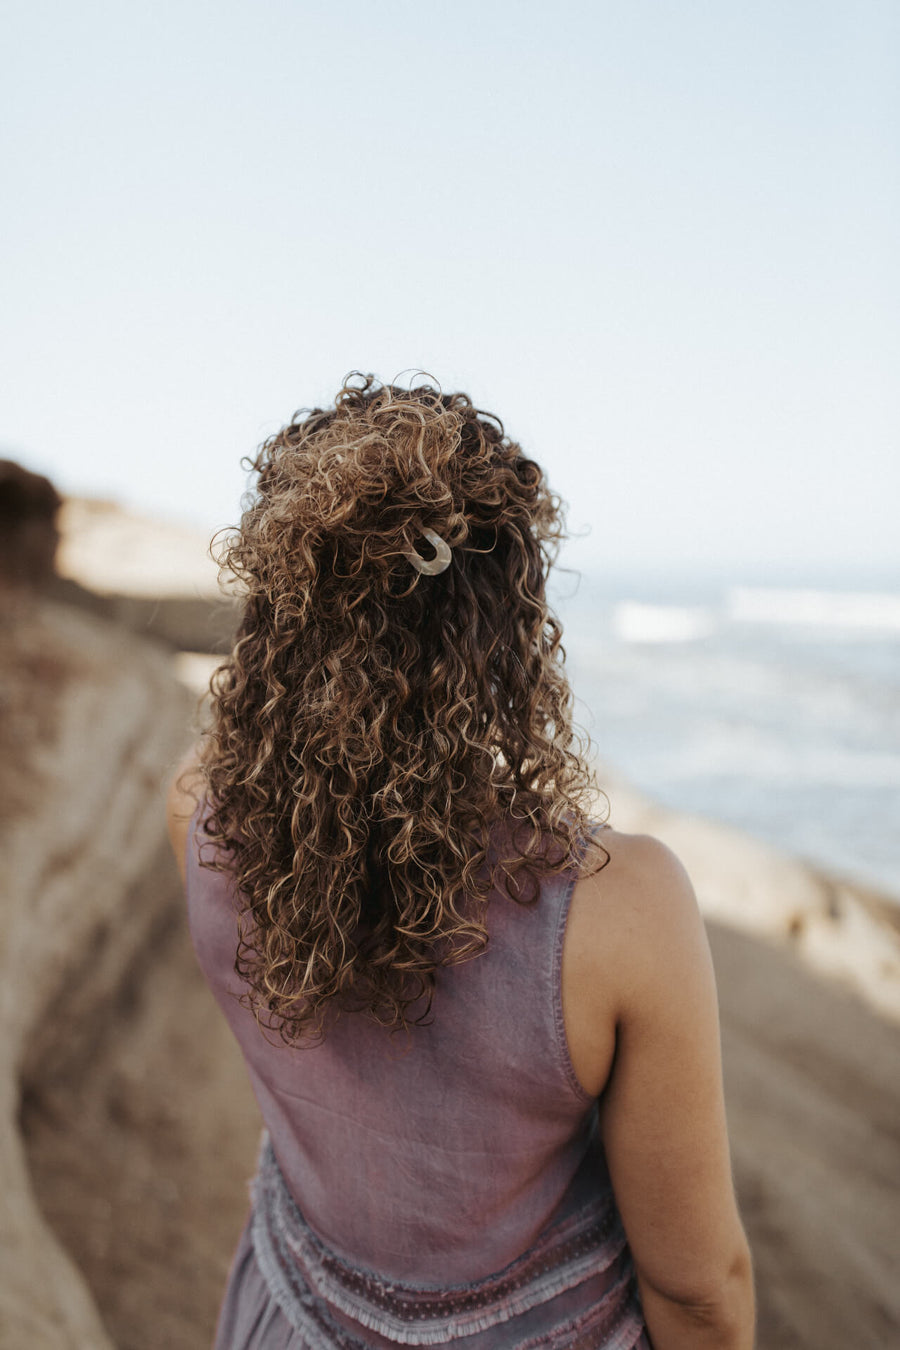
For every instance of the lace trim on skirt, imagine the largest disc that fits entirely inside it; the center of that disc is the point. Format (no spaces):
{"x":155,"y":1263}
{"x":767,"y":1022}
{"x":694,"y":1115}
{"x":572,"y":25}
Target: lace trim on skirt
{"x":302,"y":1273}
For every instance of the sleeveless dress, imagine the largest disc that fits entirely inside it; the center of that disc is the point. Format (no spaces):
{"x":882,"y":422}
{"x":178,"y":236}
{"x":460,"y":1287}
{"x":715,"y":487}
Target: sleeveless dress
{"x":445,"y":1187}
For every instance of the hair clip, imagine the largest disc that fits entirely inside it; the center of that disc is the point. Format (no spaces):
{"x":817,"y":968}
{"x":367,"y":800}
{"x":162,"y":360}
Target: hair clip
{"x":441,"y":560}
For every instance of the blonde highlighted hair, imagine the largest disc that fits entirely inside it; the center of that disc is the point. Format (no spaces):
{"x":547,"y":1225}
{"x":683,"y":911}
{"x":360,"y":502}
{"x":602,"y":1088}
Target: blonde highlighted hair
{"x":376,"y":731}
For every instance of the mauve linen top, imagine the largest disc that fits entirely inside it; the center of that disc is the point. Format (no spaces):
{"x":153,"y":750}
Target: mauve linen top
{"x":439,"y":1158}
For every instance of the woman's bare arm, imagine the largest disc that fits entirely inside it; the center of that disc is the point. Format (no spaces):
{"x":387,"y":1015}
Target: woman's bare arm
{"x":662,"y":1110}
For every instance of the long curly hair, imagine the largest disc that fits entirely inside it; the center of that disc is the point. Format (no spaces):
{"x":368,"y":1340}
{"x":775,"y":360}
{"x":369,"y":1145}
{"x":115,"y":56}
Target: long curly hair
{"x":387,"y":747}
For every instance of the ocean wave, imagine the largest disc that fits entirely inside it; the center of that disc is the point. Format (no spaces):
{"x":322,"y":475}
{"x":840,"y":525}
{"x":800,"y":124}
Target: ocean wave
{"x":634,"y":621}
{"x":745,"y":753}
{"x":872,"y":611}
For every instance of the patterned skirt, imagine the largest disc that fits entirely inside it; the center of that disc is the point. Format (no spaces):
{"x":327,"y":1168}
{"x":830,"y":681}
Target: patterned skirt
{"x":573,"y":1290}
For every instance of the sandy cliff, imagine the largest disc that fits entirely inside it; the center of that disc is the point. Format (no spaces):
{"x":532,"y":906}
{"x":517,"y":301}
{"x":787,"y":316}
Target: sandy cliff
{"x":85,"y":885}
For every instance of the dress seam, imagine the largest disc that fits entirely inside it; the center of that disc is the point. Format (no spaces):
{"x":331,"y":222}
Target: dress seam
{"x":564,"y":1054}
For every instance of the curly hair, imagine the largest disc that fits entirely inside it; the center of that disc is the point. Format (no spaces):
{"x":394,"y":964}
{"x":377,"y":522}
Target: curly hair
{"x":388,"y":747}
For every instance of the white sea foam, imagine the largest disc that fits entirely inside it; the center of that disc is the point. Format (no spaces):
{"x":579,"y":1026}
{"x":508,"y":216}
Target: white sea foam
{"x":776,"y":710}
{"x":872,"y":611}
{"x":721,"y":752}
{"x":633,"y":621}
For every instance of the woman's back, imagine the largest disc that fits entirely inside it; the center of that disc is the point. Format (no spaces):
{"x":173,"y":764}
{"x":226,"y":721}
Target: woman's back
{"x":398,"y":1147}
{"x":443,"y":1012}
{"x":397,"y":1150}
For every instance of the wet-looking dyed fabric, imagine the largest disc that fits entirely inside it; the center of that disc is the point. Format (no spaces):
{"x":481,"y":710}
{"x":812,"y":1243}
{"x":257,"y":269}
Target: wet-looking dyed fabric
{"x":445,"y":1187}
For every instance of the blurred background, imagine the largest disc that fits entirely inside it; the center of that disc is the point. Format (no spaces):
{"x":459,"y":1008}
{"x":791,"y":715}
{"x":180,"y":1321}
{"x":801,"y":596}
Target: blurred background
{"x":659,"y":240}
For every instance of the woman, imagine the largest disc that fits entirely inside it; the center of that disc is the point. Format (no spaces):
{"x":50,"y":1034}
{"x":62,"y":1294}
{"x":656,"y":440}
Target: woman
{"x":481,"y":1028}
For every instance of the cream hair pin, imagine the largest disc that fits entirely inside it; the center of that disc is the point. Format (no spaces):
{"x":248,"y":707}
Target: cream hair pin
{"x":441,"y":560}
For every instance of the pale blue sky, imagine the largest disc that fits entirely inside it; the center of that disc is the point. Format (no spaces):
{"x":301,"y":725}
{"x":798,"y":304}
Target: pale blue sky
{"x":659,"y":239}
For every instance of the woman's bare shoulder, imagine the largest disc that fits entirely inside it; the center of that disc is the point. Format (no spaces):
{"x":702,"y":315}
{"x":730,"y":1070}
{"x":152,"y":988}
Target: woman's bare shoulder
{"x":634,"y":933}
{"x":641,"y":885}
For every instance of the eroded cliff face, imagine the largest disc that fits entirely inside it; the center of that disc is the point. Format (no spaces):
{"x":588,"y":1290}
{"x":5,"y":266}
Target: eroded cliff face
{"x":29,"y":528}
{"x":93,"y":722}
{"x":127,"y":1129}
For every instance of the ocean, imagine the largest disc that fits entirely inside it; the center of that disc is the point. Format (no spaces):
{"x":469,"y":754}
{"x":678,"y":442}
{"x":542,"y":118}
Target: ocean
{"x":773,"y":708}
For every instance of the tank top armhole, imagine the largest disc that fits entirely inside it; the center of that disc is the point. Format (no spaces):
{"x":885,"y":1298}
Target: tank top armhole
{"x":559,"y":1023}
